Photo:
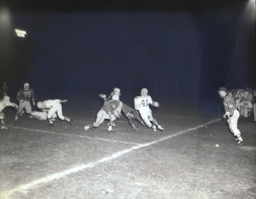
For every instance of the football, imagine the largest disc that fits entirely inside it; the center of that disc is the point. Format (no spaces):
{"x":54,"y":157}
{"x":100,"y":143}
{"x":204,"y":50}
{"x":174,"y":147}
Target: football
{"x":155,"y":104}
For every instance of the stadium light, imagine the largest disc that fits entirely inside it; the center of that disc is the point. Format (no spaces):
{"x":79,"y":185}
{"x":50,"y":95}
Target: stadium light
{"x":251,"y":10}
{"x":21,"y":33}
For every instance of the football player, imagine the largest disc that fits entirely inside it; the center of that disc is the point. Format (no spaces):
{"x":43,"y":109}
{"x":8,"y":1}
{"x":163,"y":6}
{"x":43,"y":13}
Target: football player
{"x":116,"y":91}
{"x":4,"y":103}
{"x":129,"y":112}
{"x":231,"y":113}
{"x":141,"y":103}
{"x":106,"y":112}
{"x":24,"y":97}
{"x":53,"y":108}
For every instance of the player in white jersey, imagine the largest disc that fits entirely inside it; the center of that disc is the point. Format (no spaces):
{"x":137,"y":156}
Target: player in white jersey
{"x":231,"y":112}
{"x":141,"y":104}
{"x":4,"y":103}
{"x":53,"y":108}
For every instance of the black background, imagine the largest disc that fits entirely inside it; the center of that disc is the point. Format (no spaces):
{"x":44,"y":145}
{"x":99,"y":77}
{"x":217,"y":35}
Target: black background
{"x":182,"y":51}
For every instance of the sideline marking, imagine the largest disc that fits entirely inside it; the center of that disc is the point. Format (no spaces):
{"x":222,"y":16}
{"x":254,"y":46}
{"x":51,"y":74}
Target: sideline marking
{"x":24,"y":188}
{"x":72,"y":135}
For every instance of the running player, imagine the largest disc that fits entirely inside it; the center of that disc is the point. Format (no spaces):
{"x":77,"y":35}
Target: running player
{"x":106,"y":112}
{"x":24,"y":96}
{"x":4,"y":103}
{"x":53,"y":109}
{"x":141,"y":103}
{"x":231,"y":112}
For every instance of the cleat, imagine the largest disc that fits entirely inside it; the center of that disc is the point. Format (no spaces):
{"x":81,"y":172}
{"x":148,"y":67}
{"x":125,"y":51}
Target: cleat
{"x":160,"y":128}
{"x":70,"y":122}
{"x":86,"y":128}
{"x":30,"y":116}
{"x":154,"y":128}
{"x":4,"y":127}
{"x":110,"y":128}
{"x":240,"y":142}
{"x":133,"y":125}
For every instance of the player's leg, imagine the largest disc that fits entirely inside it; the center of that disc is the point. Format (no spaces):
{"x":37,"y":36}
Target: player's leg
{"x":20,"y":109}
{"x":39,"y":115}
{"x":28,"y":108}
{"x":57,"y":109}
{"x":144,"y":113}
{"x":154,"y":121}
{"x":111,"y":118}
{"x":233,"y":126}
{"x":137,"y":117}
{"x":130,"y":118}
{"x":2,"y":116}
{"x":101,"y":116}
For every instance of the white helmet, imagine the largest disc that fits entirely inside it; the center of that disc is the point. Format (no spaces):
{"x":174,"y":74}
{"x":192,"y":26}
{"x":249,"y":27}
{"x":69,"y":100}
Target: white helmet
{"x":144,"y":92}
{"x":117,"y":91}
{"x":39,"y":105}
{"x":6,"y":98}
{"x":26,"y":86}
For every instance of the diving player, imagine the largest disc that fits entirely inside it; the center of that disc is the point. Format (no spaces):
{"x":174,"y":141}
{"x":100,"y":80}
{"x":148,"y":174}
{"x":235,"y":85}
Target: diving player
{"x":231,"y":112}
{"x":141,"y":103}
{"x":53,"y":109}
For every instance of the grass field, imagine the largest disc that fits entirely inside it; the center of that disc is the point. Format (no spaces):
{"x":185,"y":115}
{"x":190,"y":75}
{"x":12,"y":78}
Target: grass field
{"x":194,"y":158}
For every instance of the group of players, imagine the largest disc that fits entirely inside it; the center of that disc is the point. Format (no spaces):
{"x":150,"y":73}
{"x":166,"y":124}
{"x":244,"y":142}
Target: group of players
{"x":111,"y":109}
{"x":49,"y":109}
{"x":237,"y":102}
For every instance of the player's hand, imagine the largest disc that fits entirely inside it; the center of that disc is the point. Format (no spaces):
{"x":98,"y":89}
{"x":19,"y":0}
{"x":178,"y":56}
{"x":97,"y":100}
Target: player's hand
{"x":33,"y":103}
{"x":65,"y":100}
{"x":224,"y":116}
{"x":102,"y":95}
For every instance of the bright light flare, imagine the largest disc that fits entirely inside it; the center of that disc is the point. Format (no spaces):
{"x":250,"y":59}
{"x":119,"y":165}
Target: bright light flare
{"x":251,"y":10}
{"x":21,"y":33}
{"x":5,"y":18}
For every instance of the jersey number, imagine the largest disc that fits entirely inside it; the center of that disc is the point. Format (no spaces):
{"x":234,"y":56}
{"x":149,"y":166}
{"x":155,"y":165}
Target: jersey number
{"x":144,"y":103}
{"x":27,"y":94}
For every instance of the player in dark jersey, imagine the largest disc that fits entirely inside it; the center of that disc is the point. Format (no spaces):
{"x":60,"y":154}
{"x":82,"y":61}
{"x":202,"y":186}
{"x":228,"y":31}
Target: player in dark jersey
{"x":231,"y":112}
{"x":131,"y":115}
{"x":106,"y":112}
{"x":24,"y":97}
{"x":129,"y":112}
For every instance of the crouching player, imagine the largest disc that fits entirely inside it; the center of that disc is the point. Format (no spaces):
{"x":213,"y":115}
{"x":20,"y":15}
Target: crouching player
{"x":110,"y":110}
{"x":4,"y":103}
{"x":231,"y":112}
{"x":53,"y":108}
{"x":141,"y":103}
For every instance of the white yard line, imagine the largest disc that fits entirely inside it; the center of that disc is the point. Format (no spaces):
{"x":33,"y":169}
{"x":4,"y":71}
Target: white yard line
{"x":72,"y":135}
{"x":25,"y":187}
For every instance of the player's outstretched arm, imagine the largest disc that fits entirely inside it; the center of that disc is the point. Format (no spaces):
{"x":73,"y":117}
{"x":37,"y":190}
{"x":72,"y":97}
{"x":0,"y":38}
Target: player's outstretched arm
{"x":63,"y":101}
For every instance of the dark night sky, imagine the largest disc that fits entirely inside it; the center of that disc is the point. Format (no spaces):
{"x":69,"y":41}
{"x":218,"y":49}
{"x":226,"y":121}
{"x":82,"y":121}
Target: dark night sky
{"x":182,"y":50}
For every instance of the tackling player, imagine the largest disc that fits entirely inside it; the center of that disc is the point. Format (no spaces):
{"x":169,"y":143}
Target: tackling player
{"x":53,"y":109}
{"x":4,"y":103}
{"x":141,"y":103}
{"x":106,"y":112}
{"x":231,"y":112}
{"x":24,"y":96}
{"x":129,"y":112}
